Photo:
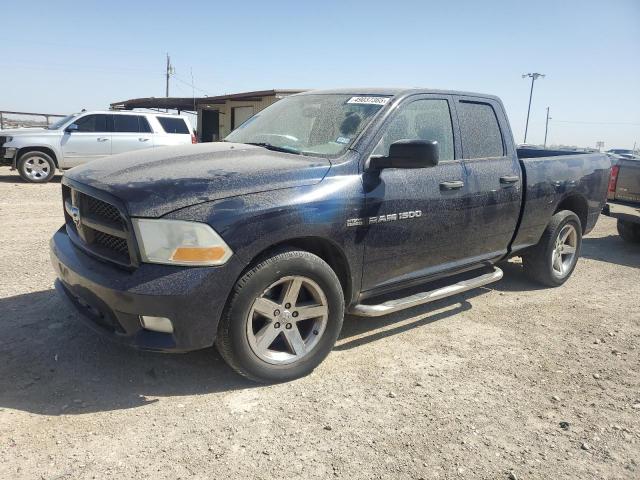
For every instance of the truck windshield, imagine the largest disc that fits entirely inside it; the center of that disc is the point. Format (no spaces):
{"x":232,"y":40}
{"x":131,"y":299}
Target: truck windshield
{"x":61,"y":122}
{"x":323,"y":124}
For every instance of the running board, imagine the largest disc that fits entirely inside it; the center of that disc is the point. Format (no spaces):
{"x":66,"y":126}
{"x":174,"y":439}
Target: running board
{"x":398,"y":304}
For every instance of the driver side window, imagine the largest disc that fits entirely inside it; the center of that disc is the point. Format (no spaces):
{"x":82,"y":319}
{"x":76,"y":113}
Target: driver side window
{"x":428,"y":119}
{"x":92,"y":123}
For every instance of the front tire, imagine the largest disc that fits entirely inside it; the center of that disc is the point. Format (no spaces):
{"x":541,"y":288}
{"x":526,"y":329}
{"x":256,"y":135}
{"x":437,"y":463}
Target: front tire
{"x":628,"y":231}
{"x":552,"y":260}
{"x":36,"y":167}
{"x":283,"y":317}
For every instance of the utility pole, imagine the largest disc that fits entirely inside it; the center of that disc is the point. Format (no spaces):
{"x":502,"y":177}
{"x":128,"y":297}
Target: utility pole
{"x":534,"y":77}
{"x":170,"y":70}
{"x":546,"y":128}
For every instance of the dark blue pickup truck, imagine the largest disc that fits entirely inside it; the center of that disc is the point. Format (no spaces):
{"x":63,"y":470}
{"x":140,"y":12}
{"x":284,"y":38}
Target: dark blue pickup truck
{"x":327,"y":202}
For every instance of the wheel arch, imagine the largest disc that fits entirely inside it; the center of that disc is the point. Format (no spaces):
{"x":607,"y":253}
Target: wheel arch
{"x":577,"y":204}
{"x":323,"y":248}
{"x":42,"y":149}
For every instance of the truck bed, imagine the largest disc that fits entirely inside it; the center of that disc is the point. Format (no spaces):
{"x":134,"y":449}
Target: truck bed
{"x":552,"y":178}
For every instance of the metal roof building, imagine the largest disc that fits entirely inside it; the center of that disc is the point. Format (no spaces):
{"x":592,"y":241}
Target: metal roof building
{"x":217,"y":116}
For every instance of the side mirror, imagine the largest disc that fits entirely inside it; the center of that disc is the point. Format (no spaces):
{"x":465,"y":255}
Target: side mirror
{"x":71,"y":128}
{"x":408,"y":154}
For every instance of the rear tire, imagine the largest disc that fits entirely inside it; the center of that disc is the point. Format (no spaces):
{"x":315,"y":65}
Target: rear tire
{"x":36,"y":167}
{"x":628,"y":231}
{"x":552,"y":261}
{"x":263,"y":333}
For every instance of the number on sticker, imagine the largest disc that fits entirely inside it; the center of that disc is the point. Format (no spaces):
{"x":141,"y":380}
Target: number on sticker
{"x":369,"y":100}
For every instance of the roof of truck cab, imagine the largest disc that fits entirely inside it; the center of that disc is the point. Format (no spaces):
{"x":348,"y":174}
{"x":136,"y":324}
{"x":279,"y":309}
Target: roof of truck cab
{"x":395,"y":92}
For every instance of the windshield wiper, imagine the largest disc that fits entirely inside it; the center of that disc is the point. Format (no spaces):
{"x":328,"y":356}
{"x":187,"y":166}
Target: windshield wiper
{"x":275,"y":148}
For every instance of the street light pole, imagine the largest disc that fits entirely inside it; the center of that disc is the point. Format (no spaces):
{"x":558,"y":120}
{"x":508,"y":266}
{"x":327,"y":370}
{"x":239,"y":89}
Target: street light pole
{"x":534,"y":77}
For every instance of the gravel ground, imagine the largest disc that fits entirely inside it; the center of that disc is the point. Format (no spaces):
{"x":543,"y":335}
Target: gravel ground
{"x":511,"y":381}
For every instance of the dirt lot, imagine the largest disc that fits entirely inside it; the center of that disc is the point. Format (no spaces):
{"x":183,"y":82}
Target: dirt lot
{"x":476,"y":386}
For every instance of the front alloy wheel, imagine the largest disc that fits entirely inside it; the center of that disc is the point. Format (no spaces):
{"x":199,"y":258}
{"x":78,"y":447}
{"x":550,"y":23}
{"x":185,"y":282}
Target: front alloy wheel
{"x":36,"y":167}
{"x":287,"y":321}
{"x":282,"y":318}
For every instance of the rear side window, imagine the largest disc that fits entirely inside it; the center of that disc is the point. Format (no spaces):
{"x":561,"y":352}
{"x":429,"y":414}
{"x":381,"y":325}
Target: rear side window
{"x":480,"y":131}
{"x":130,"y":124}
{"x":92,"y":123}
{"x":173,"y":125}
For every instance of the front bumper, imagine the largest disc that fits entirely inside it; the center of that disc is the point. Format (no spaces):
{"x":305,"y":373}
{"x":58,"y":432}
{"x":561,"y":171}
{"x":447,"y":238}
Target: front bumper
{"x":622,"y":211}
{"x":111,"y":299}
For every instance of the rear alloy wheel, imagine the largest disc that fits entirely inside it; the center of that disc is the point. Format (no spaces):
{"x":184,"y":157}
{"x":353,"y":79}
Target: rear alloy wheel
{"x":283,"y":317}
{"x":36,"y":167}
{"x":564,"y":252}
{"x":552,"y":261}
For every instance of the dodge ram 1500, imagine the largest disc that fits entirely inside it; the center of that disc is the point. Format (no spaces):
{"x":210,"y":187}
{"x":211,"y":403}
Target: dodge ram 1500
{"x":327,"y":202}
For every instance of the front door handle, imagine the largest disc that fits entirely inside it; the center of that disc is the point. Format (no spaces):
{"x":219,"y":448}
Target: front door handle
{"x":509,"y":179}
{"x":143,"y":139}
{"x":102,"y":139}
{"x":451,"y":185}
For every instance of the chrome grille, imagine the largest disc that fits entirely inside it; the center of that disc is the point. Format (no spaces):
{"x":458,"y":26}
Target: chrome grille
{"x":96,"y":226}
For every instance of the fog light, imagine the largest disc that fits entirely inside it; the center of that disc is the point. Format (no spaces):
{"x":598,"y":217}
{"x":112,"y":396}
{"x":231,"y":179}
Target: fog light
{"x":156,"y":324}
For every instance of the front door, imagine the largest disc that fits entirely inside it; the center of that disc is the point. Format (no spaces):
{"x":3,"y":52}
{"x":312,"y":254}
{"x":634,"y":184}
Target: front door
{"x":415,"y":217}
{"x":92,"y":140}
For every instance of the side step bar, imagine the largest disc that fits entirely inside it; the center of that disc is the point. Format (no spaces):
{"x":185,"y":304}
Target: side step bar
{"x":392,"y":306}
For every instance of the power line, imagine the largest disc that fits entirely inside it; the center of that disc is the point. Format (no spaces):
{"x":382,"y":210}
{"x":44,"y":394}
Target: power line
{"x":189,"y":84}
{"x":596,"y":123}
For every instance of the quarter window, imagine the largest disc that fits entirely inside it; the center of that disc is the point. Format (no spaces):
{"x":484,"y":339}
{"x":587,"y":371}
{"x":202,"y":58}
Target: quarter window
{"x":479,"y":130}
{"x":427,"y":119}
{"x":92,"y":123}
{"x":173,"y":125}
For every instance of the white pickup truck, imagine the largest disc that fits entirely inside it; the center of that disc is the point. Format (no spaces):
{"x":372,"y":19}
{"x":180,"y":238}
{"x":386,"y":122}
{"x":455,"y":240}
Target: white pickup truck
{"x":86,"y":136}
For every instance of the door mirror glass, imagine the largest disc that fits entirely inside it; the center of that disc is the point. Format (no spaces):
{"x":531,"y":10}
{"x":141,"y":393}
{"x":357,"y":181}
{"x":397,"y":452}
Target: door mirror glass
{"x":408,"y":154}
{"x":71,"y":128}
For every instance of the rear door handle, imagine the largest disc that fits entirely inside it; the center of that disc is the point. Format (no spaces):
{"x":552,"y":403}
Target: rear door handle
{"x":143,"y":139}
{"x":102,"y":139}
{"x":509,"y":179}
{"x":451,"y":185}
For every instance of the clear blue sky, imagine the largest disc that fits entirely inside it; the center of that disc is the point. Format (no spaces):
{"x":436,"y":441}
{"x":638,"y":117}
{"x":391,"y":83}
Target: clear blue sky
{"x":63,"y":56}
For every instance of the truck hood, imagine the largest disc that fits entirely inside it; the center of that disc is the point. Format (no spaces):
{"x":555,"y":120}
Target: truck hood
{"x":157,"y":181}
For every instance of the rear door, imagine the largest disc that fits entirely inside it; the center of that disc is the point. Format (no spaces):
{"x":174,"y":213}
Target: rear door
{"x":494,"y":184}
{"x":130,"y":132}
{"x":92,"y":140}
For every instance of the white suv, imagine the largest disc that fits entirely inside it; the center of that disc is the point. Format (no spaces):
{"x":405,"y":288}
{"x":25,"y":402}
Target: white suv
{"x":86,"y":136}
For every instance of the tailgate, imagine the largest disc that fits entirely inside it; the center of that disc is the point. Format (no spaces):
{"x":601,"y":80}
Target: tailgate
{"x":628,"y":184}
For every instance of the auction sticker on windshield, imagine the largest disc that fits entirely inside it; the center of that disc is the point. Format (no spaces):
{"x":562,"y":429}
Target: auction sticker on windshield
{"x":369,"y":100}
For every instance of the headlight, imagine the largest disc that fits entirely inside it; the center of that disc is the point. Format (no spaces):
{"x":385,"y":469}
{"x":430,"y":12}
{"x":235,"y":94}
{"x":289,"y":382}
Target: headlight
{"x":178,"y":242}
